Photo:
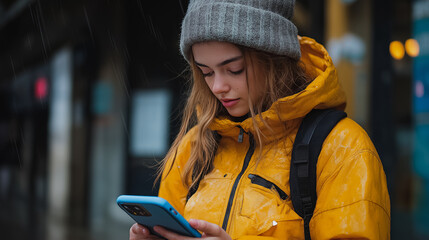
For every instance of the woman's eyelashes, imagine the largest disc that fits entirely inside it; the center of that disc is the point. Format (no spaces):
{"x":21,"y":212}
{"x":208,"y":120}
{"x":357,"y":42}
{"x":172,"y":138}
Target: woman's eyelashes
{"x":209,"y":74}
{"x":237,"y":72}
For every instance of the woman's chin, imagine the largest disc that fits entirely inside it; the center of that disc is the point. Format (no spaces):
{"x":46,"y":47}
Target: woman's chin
{"x":238,"y":114}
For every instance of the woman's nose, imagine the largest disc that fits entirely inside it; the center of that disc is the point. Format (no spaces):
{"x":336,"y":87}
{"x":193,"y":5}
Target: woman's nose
{"x":220,"y":84}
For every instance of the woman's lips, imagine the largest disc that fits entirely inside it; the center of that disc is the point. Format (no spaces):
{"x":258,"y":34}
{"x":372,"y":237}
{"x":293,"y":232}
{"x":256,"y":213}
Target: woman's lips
{"x":229,"y":102}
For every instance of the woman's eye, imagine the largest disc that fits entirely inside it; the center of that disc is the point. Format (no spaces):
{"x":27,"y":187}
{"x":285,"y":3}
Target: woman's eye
{"x":207,"y":74}
{"x":237,"y":72}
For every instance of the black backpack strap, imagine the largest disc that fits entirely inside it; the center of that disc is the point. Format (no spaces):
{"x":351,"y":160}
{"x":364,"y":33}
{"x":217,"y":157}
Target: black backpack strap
{"x":312,"y":132}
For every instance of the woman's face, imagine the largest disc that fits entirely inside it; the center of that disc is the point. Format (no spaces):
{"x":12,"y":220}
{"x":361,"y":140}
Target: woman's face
{"x":223,"y":67}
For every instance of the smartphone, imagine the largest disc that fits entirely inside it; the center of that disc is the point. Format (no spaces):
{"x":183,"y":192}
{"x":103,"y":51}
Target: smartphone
{"x":153,"y":211}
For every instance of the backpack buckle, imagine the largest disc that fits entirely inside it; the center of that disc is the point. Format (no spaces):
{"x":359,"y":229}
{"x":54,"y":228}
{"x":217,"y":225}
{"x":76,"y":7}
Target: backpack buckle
{"x":301,"y":160}
{"x":301,"y":154}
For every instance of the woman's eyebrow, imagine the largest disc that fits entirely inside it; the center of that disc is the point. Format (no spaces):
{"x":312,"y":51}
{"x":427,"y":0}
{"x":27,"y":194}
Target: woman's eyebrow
{"x":222,"y":63}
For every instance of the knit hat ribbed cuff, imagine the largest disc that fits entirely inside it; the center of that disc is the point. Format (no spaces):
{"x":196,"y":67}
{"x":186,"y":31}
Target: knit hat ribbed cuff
{"x":240,"y":24}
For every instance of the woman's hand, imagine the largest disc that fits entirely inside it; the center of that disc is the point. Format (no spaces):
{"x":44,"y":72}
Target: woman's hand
{"x":139,"y":232}
{"x":210,"y":231}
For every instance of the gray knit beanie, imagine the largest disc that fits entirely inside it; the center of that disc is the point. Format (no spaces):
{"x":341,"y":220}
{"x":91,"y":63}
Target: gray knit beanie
{"x":260,"y":24}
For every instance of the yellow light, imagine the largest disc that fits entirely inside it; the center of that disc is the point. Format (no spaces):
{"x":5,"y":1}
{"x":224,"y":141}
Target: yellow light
{"x":412,"y":47}
{"x":397,"y":50}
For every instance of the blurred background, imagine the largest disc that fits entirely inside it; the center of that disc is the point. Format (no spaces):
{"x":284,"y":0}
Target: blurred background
{"x":91,"y":92}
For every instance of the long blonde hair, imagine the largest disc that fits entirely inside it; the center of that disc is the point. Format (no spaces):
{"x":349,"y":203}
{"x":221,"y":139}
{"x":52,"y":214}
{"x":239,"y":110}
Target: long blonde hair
{"x":282,"y":76}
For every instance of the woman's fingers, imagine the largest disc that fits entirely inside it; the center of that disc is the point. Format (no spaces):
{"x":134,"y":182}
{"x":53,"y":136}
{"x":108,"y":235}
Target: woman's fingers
{"x":209,"y":229}
{"x":168,"y":234}
{"x":139,"y":232}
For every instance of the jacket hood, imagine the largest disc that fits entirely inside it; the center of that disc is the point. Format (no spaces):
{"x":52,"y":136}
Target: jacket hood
{"x":323,"y":92}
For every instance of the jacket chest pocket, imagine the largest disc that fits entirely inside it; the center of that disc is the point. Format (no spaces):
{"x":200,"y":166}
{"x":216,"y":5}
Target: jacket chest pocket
{"x":264,"y":203}
{"x":262,"y":199}
{"x":258,"y":180}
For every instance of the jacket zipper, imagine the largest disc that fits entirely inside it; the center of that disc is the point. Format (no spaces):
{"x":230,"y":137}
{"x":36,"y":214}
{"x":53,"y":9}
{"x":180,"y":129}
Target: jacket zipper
{"x":258,"y":180}
{"x":243,"y":169}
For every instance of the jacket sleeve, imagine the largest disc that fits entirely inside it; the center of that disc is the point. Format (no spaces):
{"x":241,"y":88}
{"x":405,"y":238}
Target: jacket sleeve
{"x":353,"y":201}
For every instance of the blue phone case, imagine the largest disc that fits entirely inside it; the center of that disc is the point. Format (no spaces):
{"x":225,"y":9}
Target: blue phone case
{"x":153,"y":211}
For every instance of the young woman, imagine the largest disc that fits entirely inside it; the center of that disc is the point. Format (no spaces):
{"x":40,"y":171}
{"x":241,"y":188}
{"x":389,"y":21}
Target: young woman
{"x":253,"y":80}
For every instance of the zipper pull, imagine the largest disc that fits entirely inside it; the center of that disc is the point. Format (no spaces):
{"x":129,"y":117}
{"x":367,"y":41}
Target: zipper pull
{"x":240,"y":135}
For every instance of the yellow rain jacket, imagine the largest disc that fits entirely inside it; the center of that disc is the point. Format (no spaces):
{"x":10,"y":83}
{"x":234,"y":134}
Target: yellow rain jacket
{"x":352,"y":202}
